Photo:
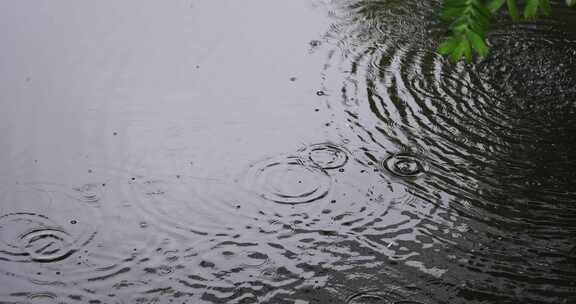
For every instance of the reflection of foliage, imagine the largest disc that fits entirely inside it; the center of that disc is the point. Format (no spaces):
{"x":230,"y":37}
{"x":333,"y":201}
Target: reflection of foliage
{"x":469,"y":20}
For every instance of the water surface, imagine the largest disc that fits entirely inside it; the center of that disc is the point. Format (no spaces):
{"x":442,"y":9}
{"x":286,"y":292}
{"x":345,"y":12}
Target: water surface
{"x":282,"y":152}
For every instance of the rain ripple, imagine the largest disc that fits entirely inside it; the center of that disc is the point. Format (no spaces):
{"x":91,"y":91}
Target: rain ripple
{"x":483,"y":147}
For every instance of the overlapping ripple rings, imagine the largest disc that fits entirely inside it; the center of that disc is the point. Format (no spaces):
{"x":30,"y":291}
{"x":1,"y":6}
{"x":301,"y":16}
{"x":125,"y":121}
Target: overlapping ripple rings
{"x":29,"y":234}
{"x":327,"y":156}
{"x":486,"y":143}
{"x":287,"y":180}
{"x":38,"y":239}
{"x":53,"y":240}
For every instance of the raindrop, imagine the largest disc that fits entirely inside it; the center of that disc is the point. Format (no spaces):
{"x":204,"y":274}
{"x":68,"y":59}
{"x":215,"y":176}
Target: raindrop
{"x":404,"y":165}
{"x":42,"y":297}
{"x":288,"y":181}
{"x":89,"y":193}
{"x":320,"y":93}
{"x":29,"y":237}
{"x":46,"y":244}
{"x":328,"y":156}
{"x":366,"y":298}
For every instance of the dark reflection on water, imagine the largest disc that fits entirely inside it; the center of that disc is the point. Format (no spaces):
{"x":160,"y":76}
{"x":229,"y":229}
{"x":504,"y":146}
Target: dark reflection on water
{"x":429,"y":182}
{"x":498,"y":135}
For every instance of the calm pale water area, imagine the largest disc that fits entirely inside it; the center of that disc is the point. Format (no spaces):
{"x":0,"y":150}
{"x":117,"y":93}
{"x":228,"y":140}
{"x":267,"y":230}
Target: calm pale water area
{"x":282,"y":151}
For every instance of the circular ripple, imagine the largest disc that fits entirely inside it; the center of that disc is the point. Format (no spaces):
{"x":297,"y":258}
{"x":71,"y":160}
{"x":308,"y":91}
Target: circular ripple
{"x":497,"y":132}
{"x":88,"y":193}
{"x":288,"y":181}
{"x":52,"y":238}
{"x":366,"y":298}
{"x":404,"y":165}
{"x":29,"y":237}
{"x":44,"y":297}
{"x":327,"y":156}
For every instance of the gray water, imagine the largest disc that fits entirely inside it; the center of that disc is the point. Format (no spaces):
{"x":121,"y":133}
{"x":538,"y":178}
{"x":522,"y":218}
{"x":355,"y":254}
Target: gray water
{"x":268,"y":151}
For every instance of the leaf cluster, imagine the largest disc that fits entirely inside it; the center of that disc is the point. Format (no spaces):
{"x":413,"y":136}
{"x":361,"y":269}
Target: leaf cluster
{"x":470,"y":20}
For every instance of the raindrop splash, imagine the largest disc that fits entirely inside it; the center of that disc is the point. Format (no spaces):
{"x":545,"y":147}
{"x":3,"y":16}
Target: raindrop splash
{"x":404,"y":166}
{"x":288,"y":181}
{"x":327,"y":156}
{"x":30,"y":237}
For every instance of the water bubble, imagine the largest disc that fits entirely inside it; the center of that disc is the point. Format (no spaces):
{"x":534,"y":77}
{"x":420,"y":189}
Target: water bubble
{"x":327,"y":156}
{"x":288,"y":181}
{"x":405,"y":165}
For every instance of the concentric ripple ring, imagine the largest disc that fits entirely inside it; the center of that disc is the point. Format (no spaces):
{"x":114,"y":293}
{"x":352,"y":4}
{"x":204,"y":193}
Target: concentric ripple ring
{"x":29,"y":237}
{"x":404,"y":166}
{"x":327,"y":156}
{"x":288,"y":181}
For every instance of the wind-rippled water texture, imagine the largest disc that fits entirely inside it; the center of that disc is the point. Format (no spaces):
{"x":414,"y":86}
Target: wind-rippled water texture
{"x":283,"y":152}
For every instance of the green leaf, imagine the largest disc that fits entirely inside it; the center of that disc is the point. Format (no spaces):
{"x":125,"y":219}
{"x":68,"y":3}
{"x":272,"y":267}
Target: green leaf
{"x":513,"y":9}
{"x":478,"y":43}
{"x":469,"y":21}
{"x":448,"y":46}
{"x":531,"y":9}
{"x":570,"y":2}
{"x":462,"y":49}
{"x":495,"y":5}
{"x":545,"y":7}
